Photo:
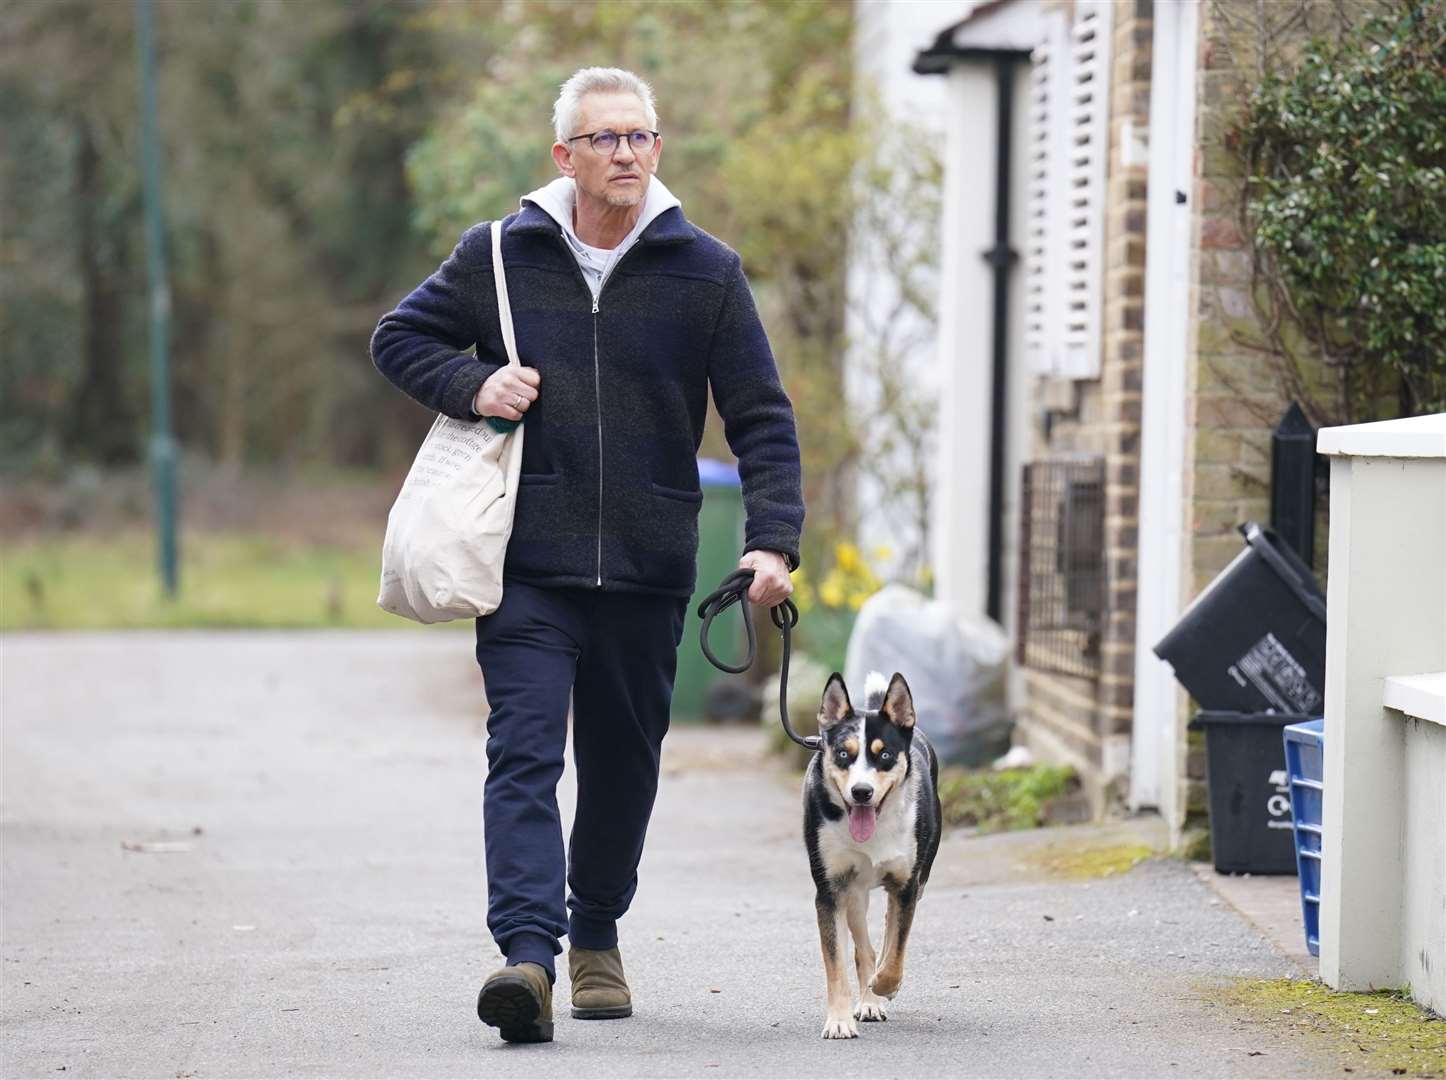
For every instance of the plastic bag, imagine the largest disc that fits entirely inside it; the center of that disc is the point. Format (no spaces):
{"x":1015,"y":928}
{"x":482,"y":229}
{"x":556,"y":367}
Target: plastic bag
{"x":956,"y":669}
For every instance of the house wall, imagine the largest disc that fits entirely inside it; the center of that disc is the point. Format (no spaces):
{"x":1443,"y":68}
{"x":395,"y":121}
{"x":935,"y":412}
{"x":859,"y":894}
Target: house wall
{"x":887,"y":36}
{"x":1235,"y":399}
{"x":1083,"y":721}
{"x":1234,"y":395}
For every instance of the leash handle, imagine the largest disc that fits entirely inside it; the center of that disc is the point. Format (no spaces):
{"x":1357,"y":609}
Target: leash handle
{"x":734,"y":590}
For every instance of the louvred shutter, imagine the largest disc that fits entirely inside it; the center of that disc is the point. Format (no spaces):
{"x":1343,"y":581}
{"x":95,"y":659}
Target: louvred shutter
{"x":1089,"y":140}
{"x":1065,"y":174}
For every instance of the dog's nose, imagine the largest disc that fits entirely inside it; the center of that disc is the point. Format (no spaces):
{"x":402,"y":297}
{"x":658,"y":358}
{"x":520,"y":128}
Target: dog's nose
{"x":862,"y":793}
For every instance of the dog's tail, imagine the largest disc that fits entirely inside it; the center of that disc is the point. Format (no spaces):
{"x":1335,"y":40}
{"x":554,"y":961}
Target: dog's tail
{"x":875,"y":687}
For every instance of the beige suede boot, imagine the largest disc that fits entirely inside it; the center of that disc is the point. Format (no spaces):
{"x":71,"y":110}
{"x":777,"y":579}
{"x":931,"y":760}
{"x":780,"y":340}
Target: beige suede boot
{"x":599,"y":989}
{"x":518,"y":1001}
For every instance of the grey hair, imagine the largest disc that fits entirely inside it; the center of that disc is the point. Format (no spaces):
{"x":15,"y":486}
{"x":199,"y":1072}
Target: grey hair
{"x":597,"y":80}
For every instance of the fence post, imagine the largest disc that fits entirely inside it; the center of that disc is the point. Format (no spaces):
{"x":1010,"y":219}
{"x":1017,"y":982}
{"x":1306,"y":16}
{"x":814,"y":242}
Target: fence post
{"x":1382,"y":871}
{"x":1292,"y":483}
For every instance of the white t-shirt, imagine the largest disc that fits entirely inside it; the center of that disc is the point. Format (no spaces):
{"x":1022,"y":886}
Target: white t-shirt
{"x":594,"y":262}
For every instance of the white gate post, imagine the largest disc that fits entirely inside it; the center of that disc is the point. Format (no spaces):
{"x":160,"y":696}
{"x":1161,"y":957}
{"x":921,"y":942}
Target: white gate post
{"x":1386,"y":615}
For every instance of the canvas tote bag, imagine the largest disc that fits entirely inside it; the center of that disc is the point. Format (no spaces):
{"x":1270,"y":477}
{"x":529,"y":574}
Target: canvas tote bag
{"x":448,"y":529}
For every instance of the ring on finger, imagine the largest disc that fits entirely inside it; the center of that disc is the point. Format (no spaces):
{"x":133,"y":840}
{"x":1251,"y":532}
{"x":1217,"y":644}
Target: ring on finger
{"x":517,"y":401}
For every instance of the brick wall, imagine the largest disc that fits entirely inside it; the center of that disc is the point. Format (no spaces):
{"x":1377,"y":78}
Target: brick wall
{"x":1083,"y":721}
{"x":1235,"y":398}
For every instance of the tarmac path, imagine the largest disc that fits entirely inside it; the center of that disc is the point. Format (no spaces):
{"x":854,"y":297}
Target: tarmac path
{"x":316,"y":905}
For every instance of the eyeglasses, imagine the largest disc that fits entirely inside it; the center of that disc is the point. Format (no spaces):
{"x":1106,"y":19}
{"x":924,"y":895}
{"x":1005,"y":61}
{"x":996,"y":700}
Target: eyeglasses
{"x":606,"y":142}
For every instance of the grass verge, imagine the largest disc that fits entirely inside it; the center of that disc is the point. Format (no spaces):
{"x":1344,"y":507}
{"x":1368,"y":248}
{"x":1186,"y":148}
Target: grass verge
{"x":85,"y":582}
{"x":1383,"y":1032}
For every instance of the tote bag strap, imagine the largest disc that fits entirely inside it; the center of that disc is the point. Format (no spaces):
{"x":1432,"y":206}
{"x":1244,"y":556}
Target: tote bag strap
{"x":504,"y":306}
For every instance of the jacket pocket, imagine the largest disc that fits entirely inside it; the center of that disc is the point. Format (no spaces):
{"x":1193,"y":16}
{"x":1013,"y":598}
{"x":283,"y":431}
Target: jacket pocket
{"x":538,"y":478}
{"x":693,"y":498}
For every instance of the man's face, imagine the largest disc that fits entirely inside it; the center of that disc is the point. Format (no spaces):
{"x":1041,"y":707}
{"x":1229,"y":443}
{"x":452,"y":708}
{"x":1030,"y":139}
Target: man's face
{"x":620,"y":178}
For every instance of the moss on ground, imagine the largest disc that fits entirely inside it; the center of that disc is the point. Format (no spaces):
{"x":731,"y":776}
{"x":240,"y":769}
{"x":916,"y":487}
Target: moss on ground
{"x":1195,"y":845}
{"x":1382,"y":1032}
{"x":1079,"y":864}
{"x":1008,"y":799}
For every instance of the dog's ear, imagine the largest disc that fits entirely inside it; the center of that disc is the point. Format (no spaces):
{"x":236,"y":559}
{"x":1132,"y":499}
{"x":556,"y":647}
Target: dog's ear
{"x":835,"y":705}
{"x":898,"y":704}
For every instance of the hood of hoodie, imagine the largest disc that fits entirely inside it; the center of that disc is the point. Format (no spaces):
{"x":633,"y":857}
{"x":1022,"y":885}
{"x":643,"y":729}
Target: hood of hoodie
{"x":559,"y":198}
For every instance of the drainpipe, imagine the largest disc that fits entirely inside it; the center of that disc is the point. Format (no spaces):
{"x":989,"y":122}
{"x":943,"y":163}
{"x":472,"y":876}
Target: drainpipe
{"x":1001,"y":257}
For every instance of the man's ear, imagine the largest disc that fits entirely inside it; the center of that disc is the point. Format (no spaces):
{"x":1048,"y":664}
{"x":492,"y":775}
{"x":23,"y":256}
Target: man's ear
{"x":835,"y":706}
{"x":898,"y":706}
{"x":562,"y":158}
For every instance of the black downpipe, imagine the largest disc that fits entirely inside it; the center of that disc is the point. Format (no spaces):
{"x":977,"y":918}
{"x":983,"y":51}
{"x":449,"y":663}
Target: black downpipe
{"x":1001,"y":258}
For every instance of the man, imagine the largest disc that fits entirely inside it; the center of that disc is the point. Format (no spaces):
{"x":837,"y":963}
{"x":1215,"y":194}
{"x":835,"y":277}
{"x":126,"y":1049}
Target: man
{"x":626,"y":314}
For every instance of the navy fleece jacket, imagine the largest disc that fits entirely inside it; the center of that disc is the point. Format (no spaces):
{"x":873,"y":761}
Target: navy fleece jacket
{"x":609,"y":495}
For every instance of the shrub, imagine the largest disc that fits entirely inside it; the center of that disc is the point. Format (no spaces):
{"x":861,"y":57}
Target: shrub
{"x":999,"y":801}
{"x":1345,"y":197}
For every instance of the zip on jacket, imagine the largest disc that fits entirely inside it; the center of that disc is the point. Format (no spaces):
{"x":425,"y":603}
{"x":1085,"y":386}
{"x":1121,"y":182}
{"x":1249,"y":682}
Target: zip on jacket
{"x":681,"y":323}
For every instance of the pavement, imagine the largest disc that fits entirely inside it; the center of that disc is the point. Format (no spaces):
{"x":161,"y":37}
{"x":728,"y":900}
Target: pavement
{"x":1271,"y":904}
{"x":260,"y":854}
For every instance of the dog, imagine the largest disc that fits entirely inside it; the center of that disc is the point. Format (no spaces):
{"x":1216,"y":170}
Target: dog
{"x":871,"y":818}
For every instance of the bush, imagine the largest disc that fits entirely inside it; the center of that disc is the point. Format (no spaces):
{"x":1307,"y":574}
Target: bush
{"x":827,"y":610}
{"x":1000,"y":801}
{"x":1345,"y":161}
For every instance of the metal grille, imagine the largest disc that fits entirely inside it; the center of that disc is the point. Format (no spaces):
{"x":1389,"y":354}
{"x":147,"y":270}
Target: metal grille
{"x":1062,"y":591}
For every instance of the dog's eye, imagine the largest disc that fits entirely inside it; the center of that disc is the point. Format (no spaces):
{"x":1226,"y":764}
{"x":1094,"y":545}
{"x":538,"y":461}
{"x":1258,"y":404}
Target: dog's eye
{"x":886,"y":757}
{"x":842,"y":757}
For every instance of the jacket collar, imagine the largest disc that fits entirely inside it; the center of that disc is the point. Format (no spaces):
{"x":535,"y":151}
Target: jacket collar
{"x":669,"y":227}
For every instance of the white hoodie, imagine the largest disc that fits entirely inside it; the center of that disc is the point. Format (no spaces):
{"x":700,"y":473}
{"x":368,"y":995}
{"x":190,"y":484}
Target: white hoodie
{"x":559,"y":199}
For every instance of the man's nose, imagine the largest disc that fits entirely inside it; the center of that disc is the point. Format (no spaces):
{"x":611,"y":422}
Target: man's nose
{"x":862,"y":793}
{"x":623,"y":152}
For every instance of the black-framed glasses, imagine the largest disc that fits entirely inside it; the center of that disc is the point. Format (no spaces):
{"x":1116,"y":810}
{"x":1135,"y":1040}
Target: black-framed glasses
{"x":606,"y":142}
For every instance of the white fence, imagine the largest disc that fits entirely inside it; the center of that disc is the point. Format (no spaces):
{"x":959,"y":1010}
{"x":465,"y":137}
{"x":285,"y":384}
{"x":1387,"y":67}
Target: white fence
{"x":1383,"y":889}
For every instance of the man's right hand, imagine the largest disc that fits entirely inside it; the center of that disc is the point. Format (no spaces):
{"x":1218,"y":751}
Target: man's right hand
{"x":508,"y":392}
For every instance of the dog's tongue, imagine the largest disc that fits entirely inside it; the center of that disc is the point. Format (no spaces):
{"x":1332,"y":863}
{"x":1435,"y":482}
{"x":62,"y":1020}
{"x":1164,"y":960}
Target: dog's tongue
{"x":861,"y":822}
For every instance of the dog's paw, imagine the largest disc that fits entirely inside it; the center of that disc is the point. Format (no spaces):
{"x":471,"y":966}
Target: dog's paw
{"x":885,"y":984}
{"x":840,"y":1027}
{"x":870,"y":1009}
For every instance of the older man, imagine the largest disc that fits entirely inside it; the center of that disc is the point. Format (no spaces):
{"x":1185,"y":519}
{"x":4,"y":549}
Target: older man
{"x":626,"y":314}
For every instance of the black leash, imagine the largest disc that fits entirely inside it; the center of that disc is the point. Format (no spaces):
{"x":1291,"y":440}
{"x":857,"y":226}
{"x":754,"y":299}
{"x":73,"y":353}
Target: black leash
{"x":734,"y":590}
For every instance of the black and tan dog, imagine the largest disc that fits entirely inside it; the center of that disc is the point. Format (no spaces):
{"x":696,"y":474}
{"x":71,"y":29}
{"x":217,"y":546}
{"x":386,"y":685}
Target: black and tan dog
{"x":871,"y":818}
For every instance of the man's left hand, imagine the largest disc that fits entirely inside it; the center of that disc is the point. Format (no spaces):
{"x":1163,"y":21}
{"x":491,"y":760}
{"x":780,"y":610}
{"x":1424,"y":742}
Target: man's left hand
{"x":771,"y":583}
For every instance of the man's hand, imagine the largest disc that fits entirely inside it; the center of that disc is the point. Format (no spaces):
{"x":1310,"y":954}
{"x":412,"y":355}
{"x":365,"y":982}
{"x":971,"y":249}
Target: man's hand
{"x":508,"y":392}
{"x":771,"y":583}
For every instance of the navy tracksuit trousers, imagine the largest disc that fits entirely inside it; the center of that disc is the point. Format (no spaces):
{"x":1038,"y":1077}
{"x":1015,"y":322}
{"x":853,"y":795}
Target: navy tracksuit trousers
{"x":615,"y":655}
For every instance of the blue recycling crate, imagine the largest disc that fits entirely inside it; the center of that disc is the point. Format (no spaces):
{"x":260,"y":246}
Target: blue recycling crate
{"x":1305,"y":768}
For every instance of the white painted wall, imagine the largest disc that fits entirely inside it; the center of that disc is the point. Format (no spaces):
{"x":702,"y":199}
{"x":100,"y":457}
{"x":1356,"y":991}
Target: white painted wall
{"x":1384,"y":843}
{"x":1157,"y":746}
{"x":1422,"y":961}
{"x":961,"y":496}
{"x":888,"y":34}
{"x":953,"y":362}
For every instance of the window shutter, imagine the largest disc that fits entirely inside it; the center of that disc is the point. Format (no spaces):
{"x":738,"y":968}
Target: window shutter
{"x":1043,"y":252}
{"x":1064,"y":229}
{"x":1089,"y":127}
